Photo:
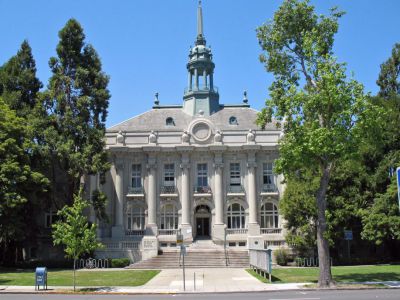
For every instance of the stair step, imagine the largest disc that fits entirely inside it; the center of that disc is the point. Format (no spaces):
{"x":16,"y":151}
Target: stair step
{"x":196,"y":258}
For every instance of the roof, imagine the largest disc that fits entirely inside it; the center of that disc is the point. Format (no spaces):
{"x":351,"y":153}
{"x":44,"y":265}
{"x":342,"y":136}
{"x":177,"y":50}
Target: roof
{"x":155,"y":119}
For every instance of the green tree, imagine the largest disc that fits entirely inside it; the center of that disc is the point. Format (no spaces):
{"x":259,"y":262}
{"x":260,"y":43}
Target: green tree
{"x":74,"y":232}
{"x":382,"y":226}
{"x":77,"y":99}
{"x":313,"y":99}
{"x":17,"y":179}
{"x":19,"y":85}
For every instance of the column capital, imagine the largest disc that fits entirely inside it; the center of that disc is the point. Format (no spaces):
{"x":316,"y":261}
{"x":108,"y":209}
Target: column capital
{"x":218,"y":165}
{"x":251,"y":164}
{"x":150,"y":166}
{"x":119,"y":165}
{"x":185,"y":165}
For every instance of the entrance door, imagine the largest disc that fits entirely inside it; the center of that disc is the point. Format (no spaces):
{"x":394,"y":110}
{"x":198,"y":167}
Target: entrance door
{"x":203,"y":226}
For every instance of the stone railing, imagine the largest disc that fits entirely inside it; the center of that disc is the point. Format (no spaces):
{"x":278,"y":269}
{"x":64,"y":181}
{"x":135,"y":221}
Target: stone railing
{"x":230,"y":231}
{"x":201,"y":88}
{"x":269,"y":188}
{"x":136,"y":232}
{"x":165,"y":189}
{"x":135,"y":190}
{"x":202,"y":190}
{"x":235,"y":189}
{"x":167,"y":231}
{"x":271,"y":230}
{"x":121,"y":245}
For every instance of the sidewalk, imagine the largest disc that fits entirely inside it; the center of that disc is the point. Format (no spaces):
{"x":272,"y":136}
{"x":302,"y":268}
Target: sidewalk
{"x":197,"y":281}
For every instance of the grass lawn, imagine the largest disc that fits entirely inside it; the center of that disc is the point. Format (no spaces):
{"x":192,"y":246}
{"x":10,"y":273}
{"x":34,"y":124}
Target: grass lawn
{"x":83,"y":278}
{"x":340,"y":274}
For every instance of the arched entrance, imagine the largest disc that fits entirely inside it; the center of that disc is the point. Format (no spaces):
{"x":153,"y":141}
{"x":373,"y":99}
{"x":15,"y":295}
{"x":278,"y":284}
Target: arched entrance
{"x":202,"y":217}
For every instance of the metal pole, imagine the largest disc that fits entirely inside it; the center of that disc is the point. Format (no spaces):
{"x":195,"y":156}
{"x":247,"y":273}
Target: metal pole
{"x":194,"y":280}
{"x":183,"y":269}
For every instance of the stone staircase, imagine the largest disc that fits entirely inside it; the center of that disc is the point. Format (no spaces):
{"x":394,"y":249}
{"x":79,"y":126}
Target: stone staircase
{"x":200,"y":254}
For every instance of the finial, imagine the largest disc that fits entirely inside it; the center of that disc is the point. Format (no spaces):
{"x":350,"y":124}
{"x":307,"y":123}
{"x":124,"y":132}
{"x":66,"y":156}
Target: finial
{"x":200,"y":35}
{"x":156,"y":101}
{"x":245,"y":100}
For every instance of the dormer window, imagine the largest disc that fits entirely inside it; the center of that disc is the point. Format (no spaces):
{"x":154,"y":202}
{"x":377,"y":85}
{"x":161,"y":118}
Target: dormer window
{"x":169,"y":122}
{"x":233,"y":121}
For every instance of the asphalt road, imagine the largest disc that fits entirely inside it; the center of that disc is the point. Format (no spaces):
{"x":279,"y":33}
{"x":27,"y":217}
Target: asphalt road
{"x":392,"y":294}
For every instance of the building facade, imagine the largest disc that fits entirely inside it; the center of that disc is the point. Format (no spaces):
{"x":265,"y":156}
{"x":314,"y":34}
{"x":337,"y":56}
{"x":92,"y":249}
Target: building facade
{"x":202,"y":168}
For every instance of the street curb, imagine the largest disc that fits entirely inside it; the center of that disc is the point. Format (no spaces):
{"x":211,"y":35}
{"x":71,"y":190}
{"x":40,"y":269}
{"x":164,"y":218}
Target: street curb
{"x":191,"y":292}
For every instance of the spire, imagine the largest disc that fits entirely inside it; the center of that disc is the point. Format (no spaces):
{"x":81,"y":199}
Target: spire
{"x":199,"y":20}
{"x":200,"y":36}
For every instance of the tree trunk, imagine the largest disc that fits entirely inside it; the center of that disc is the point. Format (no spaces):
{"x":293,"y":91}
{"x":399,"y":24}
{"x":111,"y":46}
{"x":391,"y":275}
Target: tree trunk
{"x":74,"y":272}
{"x":325,"y":275}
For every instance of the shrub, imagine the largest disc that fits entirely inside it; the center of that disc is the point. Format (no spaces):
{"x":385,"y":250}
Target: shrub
{"x":120,"y":262}
{"x":282,"y":256}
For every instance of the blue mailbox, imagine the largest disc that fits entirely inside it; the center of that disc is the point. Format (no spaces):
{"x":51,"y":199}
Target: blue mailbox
{"x":41,"y":278}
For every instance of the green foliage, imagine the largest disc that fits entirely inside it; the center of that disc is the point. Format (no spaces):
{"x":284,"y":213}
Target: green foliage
{"x":77,"y":98}
{"x":282,"y":256}
{"x":19,"y":85}
{"x":99,"y":201}
{"x":120,"y":262}
{"x":299,"y":196}
{"x":17,"y":179}
{"x":388,"y":79}
{"x":320,"y":110}
{"x":73,"y":230}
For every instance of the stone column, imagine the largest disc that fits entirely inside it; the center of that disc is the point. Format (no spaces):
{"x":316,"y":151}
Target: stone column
{"x":219,"y":204}
{"x":219,"y":226}
{"x":254,"y":227}
{"x":150,"y":241}
{"x":186,"y":226}
{"x":151,"y":227}
{"x":211,"y":81}
{"x":205,"y":78}
{"x":196,"y":80}
{"x":117,"y":229}
{"x":189,"y":80}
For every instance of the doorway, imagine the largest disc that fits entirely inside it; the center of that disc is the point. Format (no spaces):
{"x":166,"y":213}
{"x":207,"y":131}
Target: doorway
{"x":202,"y":217}
{"x":203,"y":227}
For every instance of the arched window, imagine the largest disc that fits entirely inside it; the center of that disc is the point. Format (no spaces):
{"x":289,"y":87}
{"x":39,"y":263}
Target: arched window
{"x":135,"y":218}
{"x":233,"y":121}
{"x":236,"y":216}
{"x":169,"y":217}
{"x":169,"y":121}
{"x":269,"y":216}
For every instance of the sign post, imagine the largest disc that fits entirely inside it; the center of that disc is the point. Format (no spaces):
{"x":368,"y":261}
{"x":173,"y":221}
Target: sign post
{"x":348,"y":236}
{"x":179,"y":242}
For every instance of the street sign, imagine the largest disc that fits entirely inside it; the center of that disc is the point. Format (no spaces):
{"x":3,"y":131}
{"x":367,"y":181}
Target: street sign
{"x":398,"y":184}
{"x":183,"y":250}
{"x":348,"y":235}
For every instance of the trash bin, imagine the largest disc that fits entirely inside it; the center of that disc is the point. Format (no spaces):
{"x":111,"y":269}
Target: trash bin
{"x":41,"y":278}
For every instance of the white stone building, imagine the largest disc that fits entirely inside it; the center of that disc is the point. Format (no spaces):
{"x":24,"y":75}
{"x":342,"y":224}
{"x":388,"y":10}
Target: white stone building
{"x":203,"y":168}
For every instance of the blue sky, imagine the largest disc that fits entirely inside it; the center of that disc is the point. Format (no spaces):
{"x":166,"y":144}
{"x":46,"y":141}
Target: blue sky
{"x":144,"y":44}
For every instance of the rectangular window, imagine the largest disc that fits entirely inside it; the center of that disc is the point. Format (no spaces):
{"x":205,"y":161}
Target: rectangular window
{"x":50,"y":218}
{"x":136,"y":176}
{"x":234,"y":174}
{"x":202,"y":176}
{"x":268,"y":178}
{"x":169,"y":175}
